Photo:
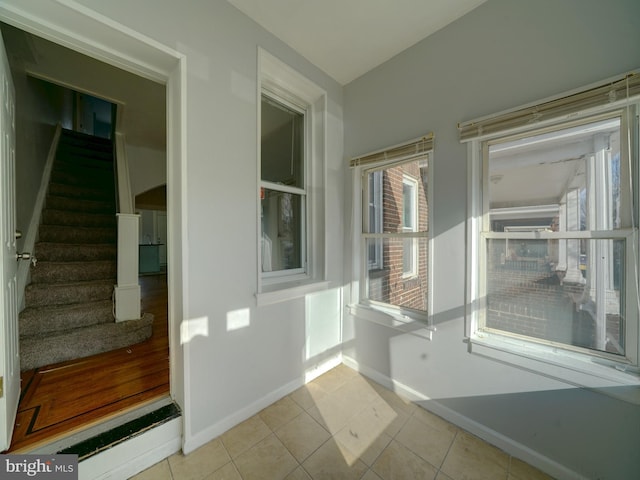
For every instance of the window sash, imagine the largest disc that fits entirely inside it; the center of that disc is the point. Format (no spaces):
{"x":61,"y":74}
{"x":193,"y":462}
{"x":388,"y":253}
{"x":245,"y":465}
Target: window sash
{"x":301,"y":192}
{"x":481,"y":231}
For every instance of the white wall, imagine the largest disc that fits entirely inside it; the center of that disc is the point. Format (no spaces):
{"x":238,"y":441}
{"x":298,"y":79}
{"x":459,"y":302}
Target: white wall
{"x":502,"y":55}
{"x":39,"y":107}
{"x":233,"y":371}
{"x":147,"y":168}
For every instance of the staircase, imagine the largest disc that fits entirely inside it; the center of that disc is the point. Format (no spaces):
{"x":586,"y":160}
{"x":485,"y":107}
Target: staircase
{"x":69,"y":307}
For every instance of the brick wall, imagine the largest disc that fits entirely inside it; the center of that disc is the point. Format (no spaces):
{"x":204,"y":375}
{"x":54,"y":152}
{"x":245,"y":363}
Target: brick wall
{"x":389,"y":285}
{"x":524,"y":296}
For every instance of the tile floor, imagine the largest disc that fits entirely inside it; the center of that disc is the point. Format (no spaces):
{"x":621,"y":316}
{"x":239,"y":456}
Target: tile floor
{"x":344,"y":426}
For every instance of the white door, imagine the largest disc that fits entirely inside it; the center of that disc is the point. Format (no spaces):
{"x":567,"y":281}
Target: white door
{"x":9,"y":355}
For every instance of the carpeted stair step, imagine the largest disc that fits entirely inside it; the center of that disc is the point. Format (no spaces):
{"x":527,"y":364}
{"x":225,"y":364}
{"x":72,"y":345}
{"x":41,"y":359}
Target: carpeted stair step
{"x":38,"y":295}
{"x":83,"y":177}
{"x":72,"y":272}
{"x":86,"y":167}
{"x":77,"y":191}
{"x":65,"y":234}
{"x":78,"y":219}
{"x":44,"y":320}
{"x":75,"y":252}
{"x":72,"y":204}
{"x":40,"y":350}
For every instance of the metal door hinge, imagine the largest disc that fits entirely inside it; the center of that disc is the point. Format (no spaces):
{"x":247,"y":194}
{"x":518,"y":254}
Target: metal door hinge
{"x":1,"y":389}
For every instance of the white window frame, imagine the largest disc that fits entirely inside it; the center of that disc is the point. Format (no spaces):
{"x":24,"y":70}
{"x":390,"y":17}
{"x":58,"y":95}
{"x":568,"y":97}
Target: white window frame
{"x":377,"y":262}
{"x":412,"y":183}
{"x":278,"y":80}
{"x":301,"y":192}
{"x":402,"y":319}
{"x":573,"y":365}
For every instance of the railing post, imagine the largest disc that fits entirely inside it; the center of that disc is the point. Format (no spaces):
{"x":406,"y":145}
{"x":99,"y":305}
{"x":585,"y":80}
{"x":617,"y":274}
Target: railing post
{"x":127,"y":291}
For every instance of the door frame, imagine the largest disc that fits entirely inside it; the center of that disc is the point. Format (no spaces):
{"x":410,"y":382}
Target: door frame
{"x":81,"y":29}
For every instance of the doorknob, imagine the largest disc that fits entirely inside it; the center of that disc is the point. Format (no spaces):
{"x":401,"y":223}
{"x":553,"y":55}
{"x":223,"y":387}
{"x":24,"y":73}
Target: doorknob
{"x":18,"y":234}
{"x":23,"y":256}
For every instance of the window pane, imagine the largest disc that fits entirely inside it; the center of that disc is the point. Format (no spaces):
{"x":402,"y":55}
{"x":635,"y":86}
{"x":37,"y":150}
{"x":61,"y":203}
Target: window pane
{"x":580,"y":305}
{"x":394,"y":204}
{"x":281,"y":231}
{"x":390,"y":284}
{"x":570,"y":177}
{"x":282,"y":148}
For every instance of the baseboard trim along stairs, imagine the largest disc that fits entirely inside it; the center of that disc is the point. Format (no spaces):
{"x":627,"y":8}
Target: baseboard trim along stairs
{"x":68,"y":310}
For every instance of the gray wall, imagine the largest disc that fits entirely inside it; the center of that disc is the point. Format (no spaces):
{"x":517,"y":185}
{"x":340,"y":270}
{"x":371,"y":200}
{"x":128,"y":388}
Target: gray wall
{"x":503,"y":54}
{"x":39,"y":107}
{"x":230,"y":372}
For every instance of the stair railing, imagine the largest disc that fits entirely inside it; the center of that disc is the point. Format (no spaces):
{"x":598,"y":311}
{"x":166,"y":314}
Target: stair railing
{"x":32,"y":233}
{"x":127,"y":290}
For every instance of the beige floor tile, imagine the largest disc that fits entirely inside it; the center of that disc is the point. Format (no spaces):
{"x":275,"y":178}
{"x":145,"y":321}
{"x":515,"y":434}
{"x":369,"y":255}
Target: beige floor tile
{"x":302,"y":436}
{"x":473,"y":459}
{"x":520,"y":470}
{"x":267,"y":459}
{"x":245,"y":435}
{"x":395,"y":401}
{"x":394,"y":418}
{"x":160,"y":471}
{"x":298,"y":474}
{"x":228,"y":472}
{"x":332,"y":413}
{"x":365,"y":435}
{"x":371,"y":475}
{"x":398,"y":463}
{"x":308,"y":395}
{"x":329,"y":463}
{"x":443,"y":476}
{"x":434,"y":421}
{"x":334,"y":379}
{"x":199,"y":463}
{"x":356,"y":390}
{"x":425,"y":441}
{"x":279,"y":413}
{"x":367,"y":451}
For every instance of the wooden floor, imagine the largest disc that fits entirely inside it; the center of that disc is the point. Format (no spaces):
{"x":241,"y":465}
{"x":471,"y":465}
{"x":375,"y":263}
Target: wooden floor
{"x":61,"y":399}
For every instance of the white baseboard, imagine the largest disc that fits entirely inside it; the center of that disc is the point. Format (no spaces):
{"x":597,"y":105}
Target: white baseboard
{"x":214,"y":431}
{"x":135,"y":455}
{"x":503,"y":442}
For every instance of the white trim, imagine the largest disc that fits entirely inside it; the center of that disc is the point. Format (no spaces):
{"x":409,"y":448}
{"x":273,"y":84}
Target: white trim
{"x":285,"y":293}
{"x":32,"y":232}
{"x":397,"y":320}
{"x":489,"y":435}
{"x":90,"y":33}
{"x":135,"y":455}
{"x":570,"y":367}
{"x":573,"y":365}
{"x":286,"y":84}
{"x":74,"y":26}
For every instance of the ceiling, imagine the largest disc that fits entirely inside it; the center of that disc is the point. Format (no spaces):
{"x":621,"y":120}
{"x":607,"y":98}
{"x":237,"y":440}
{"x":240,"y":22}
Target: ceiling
{"x":347,"y":38}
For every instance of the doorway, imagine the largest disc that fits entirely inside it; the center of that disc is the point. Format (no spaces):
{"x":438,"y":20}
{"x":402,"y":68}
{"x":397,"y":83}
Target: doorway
{"x":167,"y":72}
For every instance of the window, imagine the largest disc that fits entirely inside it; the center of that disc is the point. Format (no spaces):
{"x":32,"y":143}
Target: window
{"x":409,"y":225}
{"x":394,"y":239}
{"x":554,"y":235}
{"x":291,"y":183}
{"x":282,"y":188}
{"x":375,"y":219}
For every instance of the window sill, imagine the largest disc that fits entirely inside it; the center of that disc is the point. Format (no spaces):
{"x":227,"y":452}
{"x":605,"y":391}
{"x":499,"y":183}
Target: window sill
{"x":573,"y":368}
{"x":282,"y":292}
{"x":396,"y":320}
